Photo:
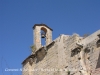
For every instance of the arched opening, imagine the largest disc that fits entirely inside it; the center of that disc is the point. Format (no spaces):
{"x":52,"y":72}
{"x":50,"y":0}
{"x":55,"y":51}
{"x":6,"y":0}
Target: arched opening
{"x":43,"y":36}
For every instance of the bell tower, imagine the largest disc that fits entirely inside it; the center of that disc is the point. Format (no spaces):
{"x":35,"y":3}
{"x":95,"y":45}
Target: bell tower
{"x":42,"y":31}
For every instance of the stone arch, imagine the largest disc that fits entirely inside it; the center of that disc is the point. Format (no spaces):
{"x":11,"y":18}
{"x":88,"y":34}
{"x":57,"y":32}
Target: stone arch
{"x":44,"y":29}
{"x":43,"y":35}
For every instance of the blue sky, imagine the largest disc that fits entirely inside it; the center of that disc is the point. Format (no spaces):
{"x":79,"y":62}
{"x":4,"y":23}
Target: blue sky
{"x":17,"y":18}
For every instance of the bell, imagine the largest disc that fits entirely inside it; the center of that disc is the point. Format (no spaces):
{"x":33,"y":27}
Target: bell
{"x":43,"y":35}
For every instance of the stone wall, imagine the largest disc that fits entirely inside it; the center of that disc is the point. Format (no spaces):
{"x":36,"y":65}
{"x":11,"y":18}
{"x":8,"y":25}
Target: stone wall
{"x":72,"y":61}
{"x":66,"y":55}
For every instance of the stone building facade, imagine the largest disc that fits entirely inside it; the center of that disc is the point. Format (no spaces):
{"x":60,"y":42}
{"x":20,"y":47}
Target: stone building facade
{"x":66,"y":55}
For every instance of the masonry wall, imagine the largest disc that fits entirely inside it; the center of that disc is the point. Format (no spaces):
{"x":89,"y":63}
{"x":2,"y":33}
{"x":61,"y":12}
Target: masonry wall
{"x":26,"y":70}
{"x":47,"y":62}
{"x":92,"y":57}
{"x":72,"y":62}
{"x":53,"y":60}
{"x":69,"y":55}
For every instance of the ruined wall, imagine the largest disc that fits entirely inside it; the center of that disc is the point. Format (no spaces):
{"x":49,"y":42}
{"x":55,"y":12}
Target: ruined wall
{"x":68,"y":55}
{"x":47,"y":62}
{"x":52,"y":61}
{"x":92,"y":54}
{"x":72,"y":60}
{"x":26,"y":70}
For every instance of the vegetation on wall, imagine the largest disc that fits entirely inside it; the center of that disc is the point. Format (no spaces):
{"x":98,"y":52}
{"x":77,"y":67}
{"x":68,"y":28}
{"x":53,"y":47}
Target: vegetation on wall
{"x":33,"y":48}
